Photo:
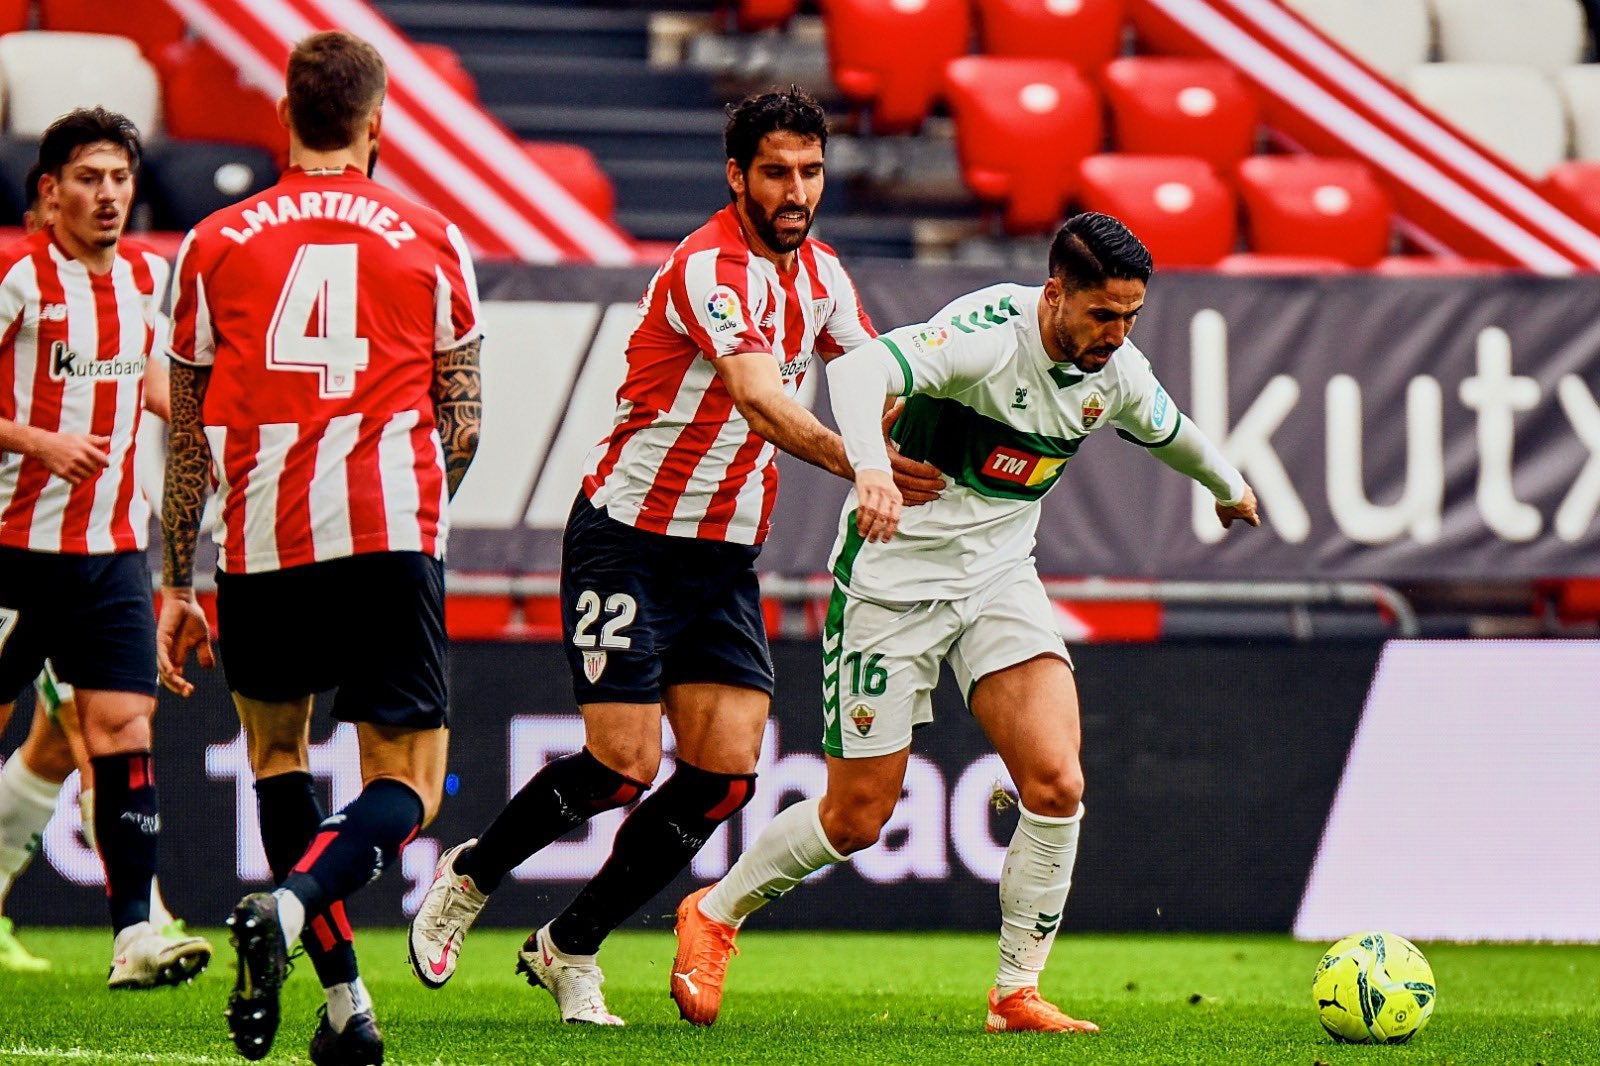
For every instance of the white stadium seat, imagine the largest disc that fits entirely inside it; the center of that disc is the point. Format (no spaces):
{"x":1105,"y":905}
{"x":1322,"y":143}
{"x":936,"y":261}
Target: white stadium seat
{"x":48,"y":74}
{"x":1547,"y":34}
{"x":1513,"y":111}
{"x":1391,"y":36}
{"x":1580,"y":87}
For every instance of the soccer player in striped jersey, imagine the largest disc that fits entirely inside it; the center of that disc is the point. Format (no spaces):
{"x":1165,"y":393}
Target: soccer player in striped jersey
{"x":78,"y":306}
{"x":661,"y":610}
{"x":1002,"y":387}
{"x":33,"y":777}
{"x":325,"y":365}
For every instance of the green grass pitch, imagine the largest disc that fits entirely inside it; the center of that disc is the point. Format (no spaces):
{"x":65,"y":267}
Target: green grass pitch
{"x":836,"y":997}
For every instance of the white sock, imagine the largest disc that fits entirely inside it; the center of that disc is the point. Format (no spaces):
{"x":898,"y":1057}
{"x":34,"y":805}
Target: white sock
{"x":26,"y":803}
{"x":160,"y":917}
{"x":791,"y":848}
{"x":291,"y":915}
{"x":1033,"y":893}
{"x":86,"y":813}
{"x":345,"y":1001}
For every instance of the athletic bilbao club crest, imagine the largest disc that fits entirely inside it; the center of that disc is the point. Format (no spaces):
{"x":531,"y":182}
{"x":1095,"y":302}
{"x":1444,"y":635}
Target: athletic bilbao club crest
{"x":1093,"y":408}
{"x":862,"y":716}
{"x":594,"y":664}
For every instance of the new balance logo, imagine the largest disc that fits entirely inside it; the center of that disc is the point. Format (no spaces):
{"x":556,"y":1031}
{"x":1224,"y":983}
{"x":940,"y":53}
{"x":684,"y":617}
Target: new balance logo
{"x":53,"y":313}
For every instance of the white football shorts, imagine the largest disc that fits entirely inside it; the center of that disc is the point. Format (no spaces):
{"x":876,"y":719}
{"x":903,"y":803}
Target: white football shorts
{"x":880,"y":662}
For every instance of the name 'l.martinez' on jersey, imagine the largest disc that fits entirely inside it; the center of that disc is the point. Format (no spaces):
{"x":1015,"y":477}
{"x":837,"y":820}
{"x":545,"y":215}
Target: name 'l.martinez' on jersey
{"x":680,"y":459}
{"x":73,"y":346}
{"x":1001,"y":419}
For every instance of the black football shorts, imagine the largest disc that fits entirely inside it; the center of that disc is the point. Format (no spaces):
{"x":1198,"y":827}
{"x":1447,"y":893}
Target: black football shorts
{"x":370,"y":626}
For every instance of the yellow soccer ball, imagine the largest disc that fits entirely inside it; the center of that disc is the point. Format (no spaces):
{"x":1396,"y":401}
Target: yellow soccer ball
{"x":1373,"y":988}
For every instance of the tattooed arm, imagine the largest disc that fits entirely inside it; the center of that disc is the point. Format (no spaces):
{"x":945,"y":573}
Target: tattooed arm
{"x":183,"y":494}
{"x":458,"y":407}
{"x":182,"y":627}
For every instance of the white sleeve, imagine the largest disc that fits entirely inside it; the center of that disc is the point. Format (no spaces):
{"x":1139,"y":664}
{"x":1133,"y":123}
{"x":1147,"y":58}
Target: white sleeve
{"x":1147,"y":414}
{"x":858,"y":383}
{"x":1190,"y":452}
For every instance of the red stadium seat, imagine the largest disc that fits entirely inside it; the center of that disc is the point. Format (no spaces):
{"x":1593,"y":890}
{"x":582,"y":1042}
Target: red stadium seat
{"x":1307,"y":205}
{"x":447,"y":64}
{"x":1176,"y":106}
{"x":1086,"y":33}
{"x":1022,"y":127}
{"x":576,"y":170}
{"x":1410,"y":266}
{"x":890,"y":55}
{"x":1254,"y":263}
{"x":206,"y":100}
{"x":13,"y":15}
{"x":752,"y":16}
{"x":1575,"y":186}
{"x":152,"y":26}
{"x":1177,"y":205}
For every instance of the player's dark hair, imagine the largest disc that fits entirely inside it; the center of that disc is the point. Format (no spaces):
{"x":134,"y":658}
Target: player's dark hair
{"x":86,"y":125}
{"x":1093,"y":248}
{"x":757,"y":115}
{"x":335,"y":80}
{"x":30,"y":187}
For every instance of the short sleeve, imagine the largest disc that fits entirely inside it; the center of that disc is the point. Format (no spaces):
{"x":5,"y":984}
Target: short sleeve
{"x":193,"y":337}
{"x":457,"y":312}
{"x":940,"y":360}
{"x":711,"y":305}
{"x":1147,"y":413}
{"x":847,"y":326}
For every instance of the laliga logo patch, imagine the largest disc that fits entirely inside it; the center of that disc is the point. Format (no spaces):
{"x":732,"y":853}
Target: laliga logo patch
{"x":594,"y":664}
{"x":932,"y":337}
{"x":723,"y":307}
{"x":1093,"y":408}
{"x":862,"y":716}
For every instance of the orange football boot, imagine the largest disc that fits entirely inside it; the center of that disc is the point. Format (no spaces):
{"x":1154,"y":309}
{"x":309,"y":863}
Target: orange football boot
{"x":698,"y":969}
{"x":1024,"y":1011}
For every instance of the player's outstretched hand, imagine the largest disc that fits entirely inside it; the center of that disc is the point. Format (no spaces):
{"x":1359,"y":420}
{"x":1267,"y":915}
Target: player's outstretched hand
{"x":877,"y":505}
{"x":74,"y":457}
{"x":1244,"y":510}
{"x":182,"y":628}
{"x":918,"y":482}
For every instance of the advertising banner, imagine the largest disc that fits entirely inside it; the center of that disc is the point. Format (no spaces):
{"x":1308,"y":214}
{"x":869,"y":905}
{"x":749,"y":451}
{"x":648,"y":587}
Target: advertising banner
{"x":1210,"y":770}
{"x":1393,"y":429}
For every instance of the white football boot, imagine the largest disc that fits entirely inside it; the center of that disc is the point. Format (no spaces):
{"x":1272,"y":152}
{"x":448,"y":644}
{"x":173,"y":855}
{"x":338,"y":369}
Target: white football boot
{"x":143,"y":958}
{"x":448,"y":910}
{"x":575,"y":985}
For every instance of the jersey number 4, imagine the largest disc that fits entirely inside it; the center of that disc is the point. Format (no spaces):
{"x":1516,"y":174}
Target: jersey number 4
{"x":314,"y":325}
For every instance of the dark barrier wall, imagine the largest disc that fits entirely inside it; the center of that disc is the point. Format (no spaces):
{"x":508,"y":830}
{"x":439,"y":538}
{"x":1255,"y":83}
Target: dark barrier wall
{"x":1392,"y":428}
{"x":1211,"y":769}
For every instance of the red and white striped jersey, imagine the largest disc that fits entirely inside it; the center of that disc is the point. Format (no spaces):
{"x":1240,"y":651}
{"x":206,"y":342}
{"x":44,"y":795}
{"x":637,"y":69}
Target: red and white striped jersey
{"x":72,"y":360}
{"x":680,"y":459}
{"x":318,"y":304}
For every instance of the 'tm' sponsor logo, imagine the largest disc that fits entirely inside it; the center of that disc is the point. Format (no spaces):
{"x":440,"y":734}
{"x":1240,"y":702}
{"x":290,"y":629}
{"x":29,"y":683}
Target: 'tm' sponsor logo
{"x":1021,"y":468}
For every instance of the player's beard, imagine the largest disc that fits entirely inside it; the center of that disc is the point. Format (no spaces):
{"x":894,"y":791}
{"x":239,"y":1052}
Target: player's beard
{"x":767,"y":230}
{"x":372,"y":159}
{"x":1079,"y":356}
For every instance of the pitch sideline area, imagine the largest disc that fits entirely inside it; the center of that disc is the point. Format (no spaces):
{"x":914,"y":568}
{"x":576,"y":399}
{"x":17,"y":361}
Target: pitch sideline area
{"x":824,"y":998}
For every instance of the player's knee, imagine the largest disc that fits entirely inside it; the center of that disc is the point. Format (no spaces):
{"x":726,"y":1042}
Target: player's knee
{"x":1054,"y":793}
{"x":632,"y":758}
{"x":853,"y":827}
{"x":48,"y":755}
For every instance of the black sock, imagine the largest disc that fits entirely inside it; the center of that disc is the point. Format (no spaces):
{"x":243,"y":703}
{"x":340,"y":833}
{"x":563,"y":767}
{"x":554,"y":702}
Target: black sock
{"x":126,"y":826}
{"x":356,"y":845}
{"x":556,"y":800}
{"x":290,"y":813}
{"x":653,"y":846}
